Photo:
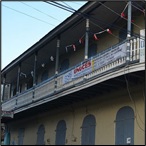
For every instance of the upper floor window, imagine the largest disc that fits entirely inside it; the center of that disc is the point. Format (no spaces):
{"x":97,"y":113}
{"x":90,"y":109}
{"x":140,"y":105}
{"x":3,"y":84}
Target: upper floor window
{"x":92,"y":50}
{"x":30,"y":83}
{"x":14,"y":91}
{"x":123,"y":33}
{"x":64,"y":65}
{"x":44,"y":75}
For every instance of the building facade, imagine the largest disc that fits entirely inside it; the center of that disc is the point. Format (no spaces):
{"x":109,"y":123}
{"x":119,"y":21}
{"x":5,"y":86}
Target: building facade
{"x":82,"y":83}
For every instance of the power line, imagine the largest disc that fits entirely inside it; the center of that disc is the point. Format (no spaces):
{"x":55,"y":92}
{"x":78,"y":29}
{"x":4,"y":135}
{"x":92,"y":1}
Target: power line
{"x":137,"y":8}
{"x":86,"y":15}
{"x":132,"y":100}
{"x":40,"y":11}
{"x":118,"y":14}
{"x":59,"y":6}
{"x":68,"y":5}
{"x":28,"y":15}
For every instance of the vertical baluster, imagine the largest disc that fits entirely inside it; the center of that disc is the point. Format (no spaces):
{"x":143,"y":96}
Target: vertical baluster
{"x":134,"y":50}
{"x":131,"y":51}
{"x":138,"y":48}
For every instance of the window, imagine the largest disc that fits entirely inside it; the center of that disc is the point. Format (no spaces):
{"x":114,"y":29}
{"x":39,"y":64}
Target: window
{"x":30,"y":83}
{"x":88,"y":130}
{"x":64,"y":65}
{"x":44,"y":75}
{"x":20,"y":136}
{"x":14,"y":91}
{"x":125,"y":126}
{"x":123,"y":33}
{"x":92,"y":50}
{"x":40,"y":135}
{"x":60,"y":133}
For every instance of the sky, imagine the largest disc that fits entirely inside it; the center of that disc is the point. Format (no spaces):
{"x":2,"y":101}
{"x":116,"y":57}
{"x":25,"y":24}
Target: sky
{"x":23,"y":23}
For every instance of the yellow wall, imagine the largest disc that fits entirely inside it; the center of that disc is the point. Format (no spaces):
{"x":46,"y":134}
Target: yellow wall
{"x":104,"y":108}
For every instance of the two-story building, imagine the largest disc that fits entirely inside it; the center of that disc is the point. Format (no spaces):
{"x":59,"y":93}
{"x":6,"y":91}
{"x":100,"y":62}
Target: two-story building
{"x":83,"y":82}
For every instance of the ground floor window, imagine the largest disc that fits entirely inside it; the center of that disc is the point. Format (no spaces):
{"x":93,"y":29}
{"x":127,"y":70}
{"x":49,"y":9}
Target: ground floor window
{"x":20,"y":136}
{"x":88,"y":130}
{"x":40,"y":135}
{"x":60,"y":133}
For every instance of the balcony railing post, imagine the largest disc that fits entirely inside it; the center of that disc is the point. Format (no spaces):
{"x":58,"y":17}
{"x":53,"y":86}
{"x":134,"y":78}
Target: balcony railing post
{"x":4,"y":83}
{"x":87,"y":39}
{"x":57,"y":61}
{"x":137,"y":48}
{"x":128,"y":32}
{"x":18,"y":78}
{"x":57,"y":55}
{"x":34,"y":70}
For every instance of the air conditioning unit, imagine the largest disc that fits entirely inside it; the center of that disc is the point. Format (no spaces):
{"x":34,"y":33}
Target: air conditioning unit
{"x":142,"y":45}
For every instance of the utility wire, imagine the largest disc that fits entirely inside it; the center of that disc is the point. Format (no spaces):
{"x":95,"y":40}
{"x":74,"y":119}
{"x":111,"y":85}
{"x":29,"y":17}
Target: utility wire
{"x":40,"y":11}
{"x":67,"y":8}
{"x":138,"y":5}
{"x":68,"y":5}
{"x":132,"y":100}
{"x":137,"y":8}
{"x":83,"y":14}
{"x":118,"y":14}
{"x":59,"y":7}
{"x":28,"y":15}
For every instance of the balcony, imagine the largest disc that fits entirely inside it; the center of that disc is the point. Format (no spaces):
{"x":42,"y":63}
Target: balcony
{"x":106,"y":65}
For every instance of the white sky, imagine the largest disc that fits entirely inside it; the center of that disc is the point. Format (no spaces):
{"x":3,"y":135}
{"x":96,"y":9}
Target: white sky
{"x":24,"y":23}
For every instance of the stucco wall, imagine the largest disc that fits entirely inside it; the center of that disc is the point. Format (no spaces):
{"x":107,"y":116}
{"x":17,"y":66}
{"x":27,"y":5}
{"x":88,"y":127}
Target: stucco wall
{"x":104,"y":108}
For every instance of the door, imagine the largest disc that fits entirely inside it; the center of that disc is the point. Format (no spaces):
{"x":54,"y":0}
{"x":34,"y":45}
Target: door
{"x":125,"y":126}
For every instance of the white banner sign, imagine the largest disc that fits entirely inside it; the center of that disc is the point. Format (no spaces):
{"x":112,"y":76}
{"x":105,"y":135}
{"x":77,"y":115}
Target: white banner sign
{"x":142,"y":45}
{"x":109,"y":56}
{"x":100,"y":60}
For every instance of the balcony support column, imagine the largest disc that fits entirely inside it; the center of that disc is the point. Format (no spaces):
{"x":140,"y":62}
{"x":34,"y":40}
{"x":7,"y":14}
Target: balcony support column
{"x":57,"y":56}
{"x":86,"y":39}
{"x":18,"y":78}
{"x":34,"y":70}
{"x":4,"y":83}
{"x":128,"y":31}
{"x":57,"y":61}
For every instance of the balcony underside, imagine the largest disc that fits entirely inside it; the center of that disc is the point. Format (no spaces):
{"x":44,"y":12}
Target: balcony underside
{"x":89,"y":91}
